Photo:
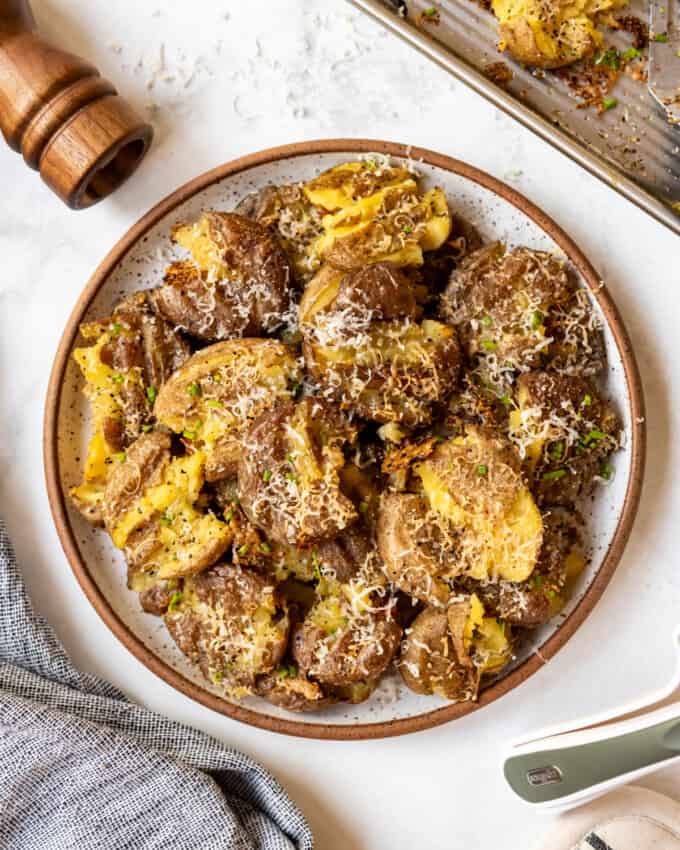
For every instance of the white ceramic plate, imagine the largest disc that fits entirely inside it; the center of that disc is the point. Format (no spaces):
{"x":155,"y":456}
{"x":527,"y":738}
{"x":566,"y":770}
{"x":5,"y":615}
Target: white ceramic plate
{"x":139,"y":260}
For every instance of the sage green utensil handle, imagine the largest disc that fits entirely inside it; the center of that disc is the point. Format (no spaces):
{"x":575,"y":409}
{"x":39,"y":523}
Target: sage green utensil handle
{"x":547,"y":775}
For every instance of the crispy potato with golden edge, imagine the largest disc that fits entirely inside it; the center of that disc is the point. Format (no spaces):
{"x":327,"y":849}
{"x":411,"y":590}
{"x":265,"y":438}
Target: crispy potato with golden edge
{"x":150,"y":512}
{"x":232,"y":623}
{"x":395,"y":225}
{"x":345,"y":184}
{"x":133,"y":353}
{"x":474,"y":482}
{"x":552,"y":33}
{"x":364,"y":344}
{"x":239,"y":284}
{"x":220,"y":391}
{"x":288,"y":472}
{"x":434,"y":656}
{"x":565,"y":431}
{"x":498,"y":301}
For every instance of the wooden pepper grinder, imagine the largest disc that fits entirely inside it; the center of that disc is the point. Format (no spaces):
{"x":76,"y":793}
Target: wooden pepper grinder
{"x":62,"y":116}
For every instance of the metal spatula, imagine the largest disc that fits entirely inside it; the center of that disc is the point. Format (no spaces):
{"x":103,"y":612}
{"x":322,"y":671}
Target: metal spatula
{"x":569,"y":765}
{"x":664,"y":56}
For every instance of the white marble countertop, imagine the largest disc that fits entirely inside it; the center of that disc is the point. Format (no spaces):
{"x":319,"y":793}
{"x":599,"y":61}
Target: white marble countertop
{"x":222,"y":79}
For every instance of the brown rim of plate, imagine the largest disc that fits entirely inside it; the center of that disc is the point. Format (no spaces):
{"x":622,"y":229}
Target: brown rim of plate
{"x":361,"y":730}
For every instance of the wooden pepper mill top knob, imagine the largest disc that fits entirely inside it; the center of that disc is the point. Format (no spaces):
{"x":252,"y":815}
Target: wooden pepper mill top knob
{"x":62,"y":116}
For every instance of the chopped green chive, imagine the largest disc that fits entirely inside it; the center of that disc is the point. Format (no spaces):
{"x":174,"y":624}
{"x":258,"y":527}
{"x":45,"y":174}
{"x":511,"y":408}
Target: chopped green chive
{"x":482,"y":469}
{"x":610,"y":58}
{"x":661,"y":36}
{"x":266,"y":548}
{"x":550,"y":594}
{"x":536,"y":320}
{"x":290,"y":458}
{"x":287,"y":671}
{"x":487,"y":321}
{"x":213,"y":402}
{"x":489,"y":345}
{"x":296,"y":390}
{"x":166,"y":519}
{"x":217,"y":677}
{"x":363,"y":507}
{"x":536,"y":581}
{"x":189,"y":435}
{"x":631,"y":53}
{"x":229,"y":515}
{"x":606,"y":471}
{"x":194,"y":389}
{"x":593,"y":436}
{"x":243,"y":550}
{"x":119,"y":456}
{"x":554,"y":475}
{"x":431,"y":12}
{"x":147,"y":428}
{"x":587,"y":400}
{"x":116,"y":328}
{"x":266,"y":475}
{"x":290,"y":476}
{"x":117,"y":378}
{"x":505,"y":400}
{"x":556,"y":450}
{"x":175,"y":600}
{"x":151,"y":394}
{"x":408,"y":229}
{"x":609,"y":103}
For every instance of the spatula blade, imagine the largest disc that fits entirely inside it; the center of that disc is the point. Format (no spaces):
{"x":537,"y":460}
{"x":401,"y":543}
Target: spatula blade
{"x":664,"y":55}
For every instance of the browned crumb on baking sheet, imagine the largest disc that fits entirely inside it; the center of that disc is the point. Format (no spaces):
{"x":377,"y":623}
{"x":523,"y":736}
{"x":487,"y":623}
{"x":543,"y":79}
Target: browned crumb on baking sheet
{"x":636,"y":27}
{"x":593,"y":80}
{"x":499,"y":73}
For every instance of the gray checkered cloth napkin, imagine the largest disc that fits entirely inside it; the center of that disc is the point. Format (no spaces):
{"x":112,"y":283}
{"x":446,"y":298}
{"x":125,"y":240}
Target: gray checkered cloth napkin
{"x":81,"y":767}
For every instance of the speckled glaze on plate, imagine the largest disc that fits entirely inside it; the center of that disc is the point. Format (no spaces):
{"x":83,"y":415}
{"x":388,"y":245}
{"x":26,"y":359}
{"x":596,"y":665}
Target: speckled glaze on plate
{"x":138,"y":261}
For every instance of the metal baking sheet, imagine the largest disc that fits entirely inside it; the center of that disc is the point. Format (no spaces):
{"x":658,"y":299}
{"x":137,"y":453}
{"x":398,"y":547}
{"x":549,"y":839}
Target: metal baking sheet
{"x":632,"y":148}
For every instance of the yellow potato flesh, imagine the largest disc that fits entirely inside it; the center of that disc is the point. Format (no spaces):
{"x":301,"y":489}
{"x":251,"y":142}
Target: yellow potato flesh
{"x":395,"y":216}
{"x":196,"y":239}
{"x":103,"y":387}
{"x":183,"y":532}
{"x":535,"y":449}
{"x":505,"y":546}
{"x":491,"y":645}
{"x":562,"y":31}
{"x":336,"y":188}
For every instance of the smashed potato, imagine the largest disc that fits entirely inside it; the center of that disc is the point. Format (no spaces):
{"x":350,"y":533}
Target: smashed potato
{"x":552,"y":33}
{"x":394,"y":225}
{"x":364,"y":344}
{"x":473,"y":482}
{"x":238,"y":284}
{"x":498,"y":302}
{"x":133,"y":353}
{"x":220,"y":391}
{"x":565,"y":432}
{"x":288,"y":473}
{"x":434,"y":657}
{"x":150,"y":511}
{"x":232,"y":623}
